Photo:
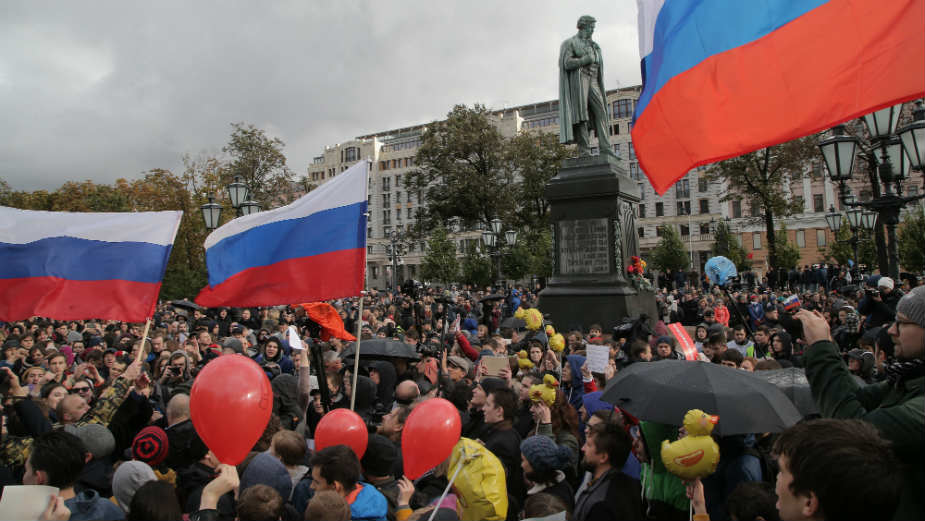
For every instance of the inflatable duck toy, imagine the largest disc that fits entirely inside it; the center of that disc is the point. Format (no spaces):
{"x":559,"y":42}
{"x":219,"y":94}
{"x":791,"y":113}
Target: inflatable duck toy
{"x":545,"y":391}
{"x":523,"y":360}
{"x":557,"y":342}
{"x":534,"y":319}
{"x":695,"y":455}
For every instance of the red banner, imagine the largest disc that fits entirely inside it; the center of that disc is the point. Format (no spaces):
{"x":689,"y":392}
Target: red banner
{"x":684,"y":340}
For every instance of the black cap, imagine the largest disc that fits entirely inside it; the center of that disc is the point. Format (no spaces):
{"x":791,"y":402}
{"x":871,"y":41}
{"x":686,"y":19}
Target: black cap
{"x":380,"y":456}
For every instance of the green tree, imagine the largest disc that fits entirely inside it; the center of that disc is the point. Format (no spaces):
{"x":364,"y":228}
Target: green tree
{"x":534,"y":158}
{"x":841,"y":250}
{"x":461,"y":170}
{"x":477,"y":269}
{"x":669,"y":253}
{"x":760,"y":178}
{"x":440,"y":263}
{"x":910,"y":241}
{"x":788,"y":254}
{"x":259,"y":161}
{"x":725,"y":244}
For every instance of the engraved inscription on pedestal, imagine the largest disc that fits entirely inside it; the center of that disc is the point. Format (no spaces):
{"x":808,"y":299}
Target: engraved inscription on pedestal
{"x":583,"y":246}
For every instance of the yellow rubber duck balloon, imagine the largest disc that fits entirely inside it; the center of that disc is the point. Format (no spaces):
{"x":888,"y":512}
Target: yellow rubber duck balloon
{"x":557,"y":342}
{"x":545,"y":391}
{"x":695,"y":455}
{"x":523,"y":360}
{"x":534,"y":319}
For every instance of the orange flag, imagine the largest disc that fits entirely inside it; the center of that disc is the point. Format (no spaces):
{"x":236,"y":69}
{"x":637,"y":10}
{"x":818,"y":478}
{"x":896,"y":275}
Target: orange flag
{"x":327,"y":317}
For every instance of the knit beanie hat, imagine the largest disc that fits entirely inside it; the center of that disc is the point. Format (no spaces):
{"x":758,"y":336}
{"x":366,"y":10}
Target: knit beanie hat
{"x":380,"y":456}
{"x":543,"y":454}
{"x":128,"y":478}
{"x":150,"y":445}
{"x":913,"y":305}
{"x":96,"y":438}
{"x":265,"y":469}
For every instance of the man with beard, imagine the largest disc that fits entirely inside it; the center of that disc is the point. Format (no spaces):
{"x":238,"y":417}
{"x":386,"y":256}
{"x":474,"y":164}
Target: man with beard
{"x":609,"y":494}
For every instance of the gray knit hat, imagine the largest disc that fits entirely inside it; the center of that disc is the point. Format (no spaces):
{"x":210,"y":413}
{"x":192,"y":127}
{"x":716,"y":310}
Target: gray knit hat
{"x":543,"y":454}
{"x":128,"y":478}
{"x":97,"y":439}
{"x":913,"y":305}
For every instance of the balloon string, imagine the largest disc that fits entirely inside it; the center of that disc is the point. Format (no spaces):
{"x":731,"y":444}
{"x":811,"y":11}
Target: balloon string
{"x":461,"y":462}
{"x":356,"y":354}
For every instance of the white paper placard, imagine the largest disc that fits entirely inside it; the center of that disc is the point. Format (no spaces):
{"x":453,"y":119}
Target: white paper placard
{"x":25,"y":501}
{"x":598,"y":358}
{"x":294,"y":341}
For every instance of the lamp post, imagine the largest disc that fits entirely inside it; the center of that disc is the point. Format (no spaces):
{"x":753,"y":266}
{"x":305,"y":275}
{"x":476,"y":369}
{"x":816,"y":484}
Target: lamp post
{"x":493,"y":240}
{"x":238,"y":194}
{"x":891,"y":158}
{"x":394,"y":249}
{"x":858,"y":220}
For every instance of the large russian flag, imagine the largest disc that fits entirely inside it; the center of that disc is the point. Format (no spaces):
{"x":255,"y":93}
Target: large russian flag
{"x":72,"y":266}
{"x":725,"y":77}
{"x":313,"y":249}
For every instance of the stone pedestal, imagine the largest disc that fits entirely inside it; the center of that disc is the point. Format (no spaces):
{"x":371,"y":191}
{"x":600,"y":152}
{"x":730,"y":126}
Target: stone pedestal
{"x":593,"y":214}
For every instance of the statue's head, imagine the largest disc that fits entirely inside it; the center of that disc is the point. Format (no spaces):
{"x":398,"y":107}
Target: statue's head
{"x":586,"y":22}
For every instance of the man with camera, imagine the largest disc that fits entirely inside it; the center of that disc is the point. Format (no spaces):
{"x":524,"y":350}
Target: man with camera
{"x":896,"y":406}
{"x":879,"y":305}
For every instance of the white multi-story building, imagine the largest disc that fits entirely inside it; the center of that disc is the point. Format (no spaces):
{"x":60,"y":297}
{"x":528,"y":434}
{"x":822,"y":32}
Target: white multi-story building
{"x":691,"y":205}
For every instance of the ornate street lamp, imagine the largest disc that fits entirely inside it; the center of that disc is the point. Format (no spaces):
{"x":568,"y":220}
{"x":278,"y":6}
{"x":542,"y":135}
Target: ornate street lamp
{"x":833,"y":219}
{"x":211,"y":213}
{"x":868,"y":220}
{"x":838,"y":152}
{"x":510,"y":237}
{"x":854,"y":217}
{"x":496,"y":226}
{"x":248,"y":207}
{"x":237,"y":192}
{"x":913,"y":137}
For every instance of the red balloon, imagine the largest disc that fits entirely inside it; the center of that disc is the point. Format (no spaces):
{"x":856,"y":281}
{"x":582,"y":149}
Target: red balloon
{"x":431,"y":431}
{"x":230,"y":405}
{"x":342,"y":427}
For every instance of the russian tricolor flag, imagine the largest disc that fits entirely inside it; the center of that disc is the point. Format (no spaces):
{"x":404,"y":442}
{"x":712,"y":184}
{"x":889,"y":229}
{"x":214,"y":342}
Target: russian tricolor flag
{"x":313,"y":249}
{"x":72,"y":266}
{"x":725,"y":77}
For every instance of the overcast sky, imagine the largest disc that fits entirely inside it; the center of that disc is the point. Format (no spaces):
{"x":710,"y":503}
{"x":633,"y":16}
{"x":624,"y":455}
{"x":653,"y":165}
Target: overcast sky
{"x":101,"y":90}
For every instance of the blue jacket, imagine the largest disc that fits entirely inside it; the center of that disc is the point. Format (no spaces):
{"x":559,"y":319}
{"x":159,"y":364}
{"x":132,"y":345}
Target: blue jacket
{"x":87,"y":505}
{"x":369,"y":505}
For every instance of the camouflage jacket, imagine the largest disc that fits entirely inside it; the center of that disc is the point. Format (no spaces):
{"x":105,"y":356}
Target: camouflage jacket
{"x":14,"y":451}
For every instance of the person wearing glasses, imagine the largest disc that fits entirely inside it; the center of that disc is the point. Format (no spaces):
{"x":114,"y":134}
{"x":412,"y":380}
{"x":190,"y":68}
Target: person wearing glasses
{"x":895,"y":406}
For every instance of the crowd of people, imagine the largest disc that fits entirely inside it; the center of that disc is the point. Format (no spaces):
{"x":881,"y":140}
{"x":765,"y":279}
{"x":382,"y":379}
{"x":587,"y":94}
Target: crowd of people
{"x":95,"y":410}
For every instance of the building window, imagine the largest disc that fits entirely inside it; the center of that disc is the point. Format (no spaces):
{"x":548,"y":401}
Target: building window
{"x":383,"y":165}
{"x":801,"y":238}
{"x":818,"y":204}
{"x":684,"y":207}
{"x":352,"y":154}
{"x":398,"y":181}
{"x":632,"y":151}
{"x":397,"y":196}
{"x":386,"y":199}
{"x":369,"y":234}
{"x":737,"y":209}
{"x":386,"y":184}
{"x":658,"y":231}
{"x":375,"y":272}
{"x":755,"y":209}
{"x":369,"y":249}
{"x":820,"y":238}
{"x":616,"y":149}
{"x":704,"y":206}
{"x":623,"y":108}
{"x":642,"y":191}
{"x":641,"y":232}
{"x":702,"y":184}
{"x":756,"y":241}
{"x":387,"y":217}
{"x":659,"y":210}
{"x":642,"y":211}
{"x":685,"y":230}
{"x":615,"y":129}
{"x":682,"y":189}
{"x":705,"y":229}
{"x":634,"y":170}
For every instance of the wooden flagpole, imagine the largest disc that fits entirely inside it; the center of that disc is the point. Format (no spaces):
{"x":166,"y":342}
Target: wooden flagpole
{"x":356,"y":351}
{"x":144,"y":338}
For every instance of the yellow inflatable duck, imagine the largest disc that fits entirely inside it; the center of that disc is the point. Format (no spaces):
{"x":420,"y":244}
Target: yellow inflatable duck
{"x":534,"y":319}
{"x":695,"y":455}
{"x":557,"y":342}
{"x":521,"y":313}
{"x":523,"y":360}
{"x":545,"y":391}
{"x":550,"y":331}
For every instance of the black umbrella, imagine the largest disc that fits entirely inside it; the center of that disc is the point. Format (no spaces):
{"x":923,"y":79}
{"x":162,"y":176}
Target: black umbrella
{"x":664,"y":391}
{"x":186,"y":304}
{"x":514,"y":323}
{"x":793,"y":383}
{"x":491,"y":298}
{"x":381,"y":348}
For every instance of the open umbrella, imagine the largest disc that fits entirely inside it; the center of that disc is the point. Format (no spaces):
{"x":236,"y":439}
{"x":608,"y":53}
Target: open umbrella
{"x":381,"y":348}
{"x":793,"y":383}
{"x":664,"y":391}
{"x":186,"y":304}
{"x":514,"y":323}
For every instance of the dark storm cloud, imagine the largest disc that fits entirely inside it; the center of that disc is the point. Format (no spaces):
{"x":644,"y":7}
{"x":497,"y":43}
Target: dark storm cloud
{"x":102,"y":90}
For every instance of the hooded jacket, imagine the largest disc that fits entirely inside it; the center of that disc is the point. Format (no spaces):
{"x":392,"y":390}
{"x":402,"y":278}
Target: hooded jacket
{"x":367,"y":503}
{"x":87,"y":505}
{"x":575,"y":389}
{"x":387,"y":379}
{"x":365,"y":401}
